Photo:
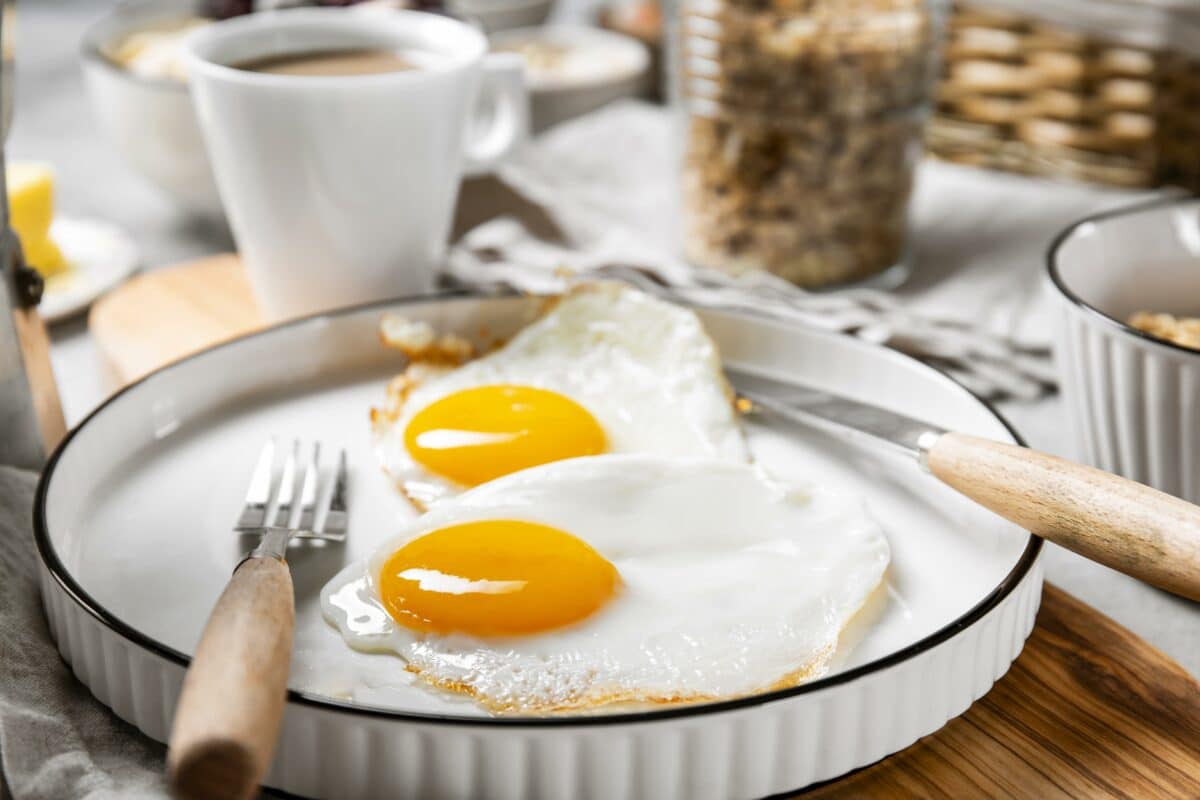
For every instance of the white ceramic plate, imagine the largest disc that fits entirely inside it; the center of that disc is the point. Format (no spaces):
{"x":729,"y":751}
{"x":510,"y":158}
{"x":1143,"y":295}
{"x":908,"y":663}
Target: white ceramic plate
{"x":101,"y":255}
{"x":132,"y":523}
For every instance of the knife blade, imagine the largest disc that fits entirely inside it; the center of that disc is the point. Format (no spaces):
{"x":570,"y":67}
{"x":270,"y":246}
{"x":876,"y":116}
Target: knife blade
{"x":835,"y":413}
{"x":1112,"y":520}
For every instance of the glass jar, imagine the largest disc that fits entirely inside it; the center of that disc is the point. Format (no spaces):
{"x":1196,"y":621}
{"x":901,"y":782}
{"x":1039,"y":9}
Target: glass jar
{"x":801,"y":124}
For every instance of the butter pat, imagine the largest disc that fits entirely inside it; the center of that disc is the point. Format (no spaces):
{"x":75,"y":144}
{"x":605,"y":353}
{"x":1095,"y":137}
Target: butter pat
{"x":31,"y":210}
{"x":46,"y":258}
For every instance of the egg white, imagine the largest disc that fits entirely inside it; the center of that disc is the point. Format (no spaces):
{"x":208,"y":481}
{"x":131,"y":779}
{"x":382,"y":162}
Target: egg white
{"x":645,"y":369}
{"x":731,"y":584}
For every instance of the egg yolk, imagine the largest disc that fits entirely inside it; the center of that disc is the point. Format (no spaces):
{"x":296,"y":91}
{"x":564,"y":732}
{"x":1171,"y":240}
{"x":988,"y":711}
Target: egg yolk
{"x":495,"y":578}
{"x":482,"y":433}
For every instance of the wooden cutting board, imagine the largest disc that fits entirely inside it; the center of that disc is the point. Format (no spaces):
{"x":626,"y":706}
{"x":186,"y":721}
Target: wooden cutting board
{"x":1088,"y":710}
{"x":158,"y":317}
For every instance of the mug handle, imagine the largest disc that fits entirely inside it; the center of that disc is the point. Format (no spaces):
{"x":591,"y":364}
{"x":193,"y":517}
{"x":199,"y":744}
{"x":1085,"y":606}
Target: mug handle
{"x":503,"y":90}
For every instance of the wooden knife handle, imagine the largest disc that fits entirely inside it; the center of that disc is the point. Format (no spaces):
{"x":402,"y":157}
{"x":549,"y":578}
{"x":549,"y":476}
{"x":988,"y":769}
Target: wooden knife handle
{"x":1126,"y":525}
{"x":233,"y":695}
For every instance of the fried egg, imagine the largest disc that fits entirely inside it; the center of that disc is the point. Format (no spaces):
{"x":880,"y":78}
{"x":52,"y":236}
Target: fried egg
{"x":605,"y":369}
{"x":616,"y":579}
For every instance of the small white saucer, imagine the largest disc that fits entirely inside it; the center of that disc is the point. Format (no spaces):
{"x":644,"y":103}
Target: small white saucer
{"x":101,"y":256}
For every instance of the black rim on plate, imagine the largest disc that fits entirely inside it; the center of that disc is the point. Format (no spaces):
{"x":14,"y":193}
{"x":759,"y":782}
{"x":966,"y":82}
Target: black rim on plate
{"x":1055,"y":271}
{"x":77,"y":593}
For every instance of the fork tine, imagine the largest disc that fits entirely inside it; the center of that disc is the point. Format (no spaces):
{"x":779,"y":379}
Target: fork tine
{"x":308,"y":488}
{"x":287,"y":490}
{"x":334,"y":526}
{"x":254,"y":512}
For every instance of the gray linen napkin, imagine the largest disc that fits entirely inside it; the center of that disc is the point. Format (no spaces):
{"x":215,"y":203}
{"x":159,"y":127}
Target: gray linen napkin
{"x":56,"y":740}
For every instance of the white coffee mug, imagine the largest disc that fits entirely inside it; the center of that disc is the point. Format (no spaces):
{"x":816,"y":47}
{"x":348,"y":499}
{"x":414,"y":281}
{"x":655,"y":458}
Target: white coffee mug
{"x":341,"y":190}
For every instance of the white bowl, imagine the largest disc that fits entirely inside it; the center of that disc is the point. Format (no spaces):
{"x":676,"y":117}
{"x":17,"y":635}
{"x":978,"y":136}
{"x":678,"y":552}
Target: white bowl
{"x":1133,"y":399}
{"x":618,"y":67}
{"x":502,"y":15}
{"x":150,"y":121}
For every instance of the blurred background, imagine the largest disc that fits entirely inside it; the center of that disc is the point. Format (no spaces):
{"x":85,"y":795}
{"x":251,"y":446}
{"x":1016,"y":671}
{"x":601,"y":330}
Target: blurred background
{"x":55,"y":123}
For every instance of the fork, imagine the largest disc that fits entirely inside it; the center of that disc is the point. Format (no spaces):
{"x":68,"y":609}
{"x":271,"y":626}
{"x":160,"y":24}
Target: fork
{"x":232,"y":700}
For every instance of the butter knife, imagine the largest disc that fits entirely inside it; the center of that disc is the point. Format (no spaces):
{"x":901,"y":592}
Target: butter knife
{"x":1117,"y":522}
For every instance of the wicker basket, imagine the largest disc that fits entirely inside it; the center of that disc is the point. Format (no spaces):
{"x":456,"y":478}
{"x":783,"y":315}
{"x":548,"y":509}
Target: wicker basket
{"x":1042,"y":97}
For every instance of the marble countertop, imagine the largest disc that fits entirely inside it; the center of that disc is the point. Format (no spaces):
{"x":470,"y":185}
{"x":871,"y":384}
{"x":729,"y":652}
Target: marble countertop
{"x":979,"y":247}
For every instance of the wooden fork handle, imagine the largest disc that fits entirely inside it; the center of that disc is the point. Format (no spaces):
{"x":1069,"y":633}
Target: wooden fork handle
{"x":1126,"y":525}
{"x":233,"y":696}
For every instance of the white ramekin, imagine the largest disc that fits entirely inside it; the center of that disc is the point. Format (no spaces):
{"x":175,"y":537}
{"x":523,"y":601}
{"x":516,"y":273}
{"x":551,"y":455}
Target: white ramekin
{"x":621,"y":70}
{"x":502,"y":15}
{"x":1133,"y":400}
{"x":150,"y":121}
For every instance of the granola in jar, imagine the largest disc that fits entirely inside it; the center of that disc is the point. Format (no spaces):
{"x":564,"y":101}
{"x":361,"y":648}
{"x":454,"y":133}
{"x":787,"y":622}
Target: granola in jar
{"x":802,"y":123}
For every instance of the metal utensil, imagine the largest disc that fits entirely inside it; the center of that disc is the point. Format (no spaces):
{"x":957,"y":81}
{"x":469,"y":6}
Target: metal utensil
{"x":31,"y":418}
{"x":1120,"y":523}
{"x":233,"y":696}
